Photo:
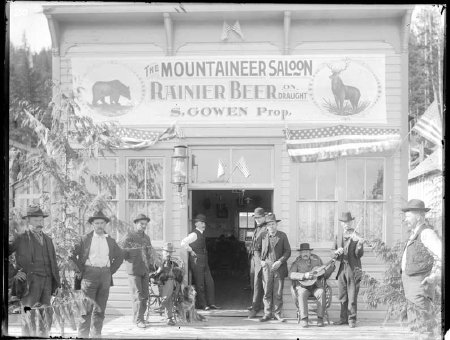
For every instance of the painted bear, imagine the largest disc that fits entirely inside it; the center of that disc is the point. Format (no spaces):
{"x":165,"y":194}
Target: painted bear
{"x":112,"y":89}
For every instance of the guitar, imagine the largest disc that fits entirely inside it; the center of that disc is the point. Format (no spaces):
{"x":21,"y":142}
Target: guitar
{"x":318,"y":271}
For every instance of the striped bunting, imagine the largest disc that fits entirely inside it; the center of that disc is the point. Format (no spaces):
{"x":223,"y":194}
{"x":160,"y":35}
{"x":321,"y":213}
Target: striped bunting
{"x":141,"y":139}
{"x":320,"y":144}
{"x":429,"y":125}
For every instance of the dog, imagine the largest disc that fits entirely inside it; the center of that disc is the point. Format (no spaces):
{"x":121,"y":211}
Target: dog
{"x":185,"y":305}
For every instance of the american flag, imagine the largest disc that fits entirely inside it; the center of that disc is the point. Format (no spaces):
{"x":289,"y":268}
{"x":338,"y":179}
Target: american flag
{"x":141,"y":139}
{"x":220,"y":169}
{"x":429,"y":125}
{"x":226,"y":29}
{"x":242,"y":166}
{"x":310,"y":145}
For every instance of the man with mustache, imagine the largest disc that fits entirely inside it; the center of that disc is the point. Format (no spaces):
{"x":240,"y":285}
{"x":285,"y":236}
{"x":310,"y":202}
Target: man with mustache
{"x":37,"y":266}
{"x":97,"y":257}
{"x":301,"y":270}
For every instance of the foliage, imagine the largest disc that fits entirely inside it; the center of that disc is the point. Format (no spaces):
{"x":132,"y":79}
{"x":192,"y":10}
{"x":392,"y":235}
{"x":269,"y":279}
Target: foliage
{"x":389,"y":291}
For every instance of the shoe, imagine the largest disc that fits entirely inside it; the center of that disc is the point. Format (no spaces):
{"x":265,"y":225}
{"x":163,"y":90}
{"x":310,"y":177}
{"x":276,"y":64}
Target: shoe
{"x":141,"y":324}
{"x":214,"y":307}
{"x":265,"y":318}
{"x":352,"y":324}
{"x":340,"y":322}
{"x":207,"y":308}
{"x":170,"y":322}
{"x":147,"y":323}
{"x":250,"y":308}
{"x":320,"y":322}
{"x":252,"y":314}
{"x":279,"y":318}
{"x":304,"y":322}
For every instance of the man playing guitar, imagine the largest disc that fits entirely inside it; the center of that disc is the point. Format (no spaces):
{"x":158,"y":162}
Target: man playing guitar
{"x":308,"y":275}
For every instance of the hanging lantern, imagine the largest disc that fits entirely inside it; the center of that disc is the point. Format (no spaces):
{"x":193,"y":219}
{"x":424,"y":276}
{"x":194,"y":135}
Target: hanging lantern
{"x":179,"y":166}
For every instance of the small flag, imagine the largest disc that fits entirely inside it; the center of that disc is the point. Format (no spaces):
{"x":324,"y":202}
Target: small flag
{"x":242,"y":166}
{"x":429,"y":125}
{"x":226,"y":29}
{"x":220,"y":169}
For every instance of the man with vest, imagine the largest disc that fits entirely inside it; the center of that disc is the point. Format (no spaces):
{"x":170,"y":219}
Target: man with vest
{"x":255,"y":264}
{"x":195,"y":244}
{"x":350,"y":249}
{"x":37,"y":266}
{"x":137,"y":252}
{"x":421,"y":260}
{"x":97,"y":257}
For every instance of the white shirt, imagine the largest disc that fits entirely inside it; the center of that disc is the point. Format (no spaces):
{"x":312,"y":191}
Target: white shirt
{"x":434,"y":245}
{"x":99,"y":251}
{"x":192,"y":237}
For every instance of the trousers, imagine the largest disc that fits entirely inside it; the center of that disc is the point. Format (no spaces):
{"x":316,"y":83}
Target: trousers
{"x":203,"y":280}
{"x":348,"y":293}
{"x":95,"y":284}
{"x":256,"y":284}
{"x":166,"y":292}
{"x":420,"y":295}
{"x":139,"y":292}
{"x":304,"y":293}
{"x":273,"y":291}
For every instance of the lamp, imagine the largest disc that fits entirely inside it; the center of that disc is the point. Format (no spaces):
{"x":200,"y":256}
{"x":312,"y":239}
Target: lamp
{"x":179,"y":166}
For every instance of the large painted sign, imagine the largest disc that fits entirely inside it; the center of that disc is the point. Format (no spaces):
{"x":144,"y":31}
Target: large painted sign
{"x":228,"y":89}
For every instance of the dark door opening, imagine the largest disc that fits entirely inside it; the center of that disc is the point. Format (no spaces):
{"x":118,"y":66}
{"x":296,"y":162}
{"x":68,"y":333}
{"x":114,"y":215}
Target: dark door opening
{"x":228,"y":238}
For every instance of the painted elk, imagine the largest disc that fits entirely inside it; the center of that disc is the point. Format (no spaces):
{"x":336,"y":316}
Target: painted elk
{"x":341,"y":91}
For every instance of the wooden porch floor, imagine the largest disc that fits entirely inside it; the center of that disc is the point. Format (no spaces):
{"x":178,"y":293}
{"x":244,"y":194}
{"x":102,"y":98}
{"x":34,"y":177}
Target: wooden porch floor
{"x":237,"y":327}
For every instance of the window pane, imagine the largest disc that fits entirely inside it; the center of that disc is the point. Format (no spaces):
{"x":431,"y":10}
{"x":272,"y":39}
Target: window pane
{"x":355,"y":179}
{"x":136,"y":179}
{"x":205,"y":166}
{"x":307,"y":181}
{"x":306,"y":216}
{"x":326,"y":172}
{"x":154,"y":178}
{"x":316,"y":221}
{"x":257,"y":162}
{"x":154,"y":210}
{"x":325,"y":221}
{"x":108,"y":167}
{"x":374,"y":220}
{"x":374,"y":179}
{"x":357,"y":210}
{"x":92,"y":167}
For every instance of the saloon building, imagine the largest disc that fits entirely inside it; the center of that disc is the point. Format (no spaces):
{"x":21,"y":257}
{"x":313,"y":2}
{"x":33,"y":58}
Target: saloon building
{"x":222,"y":108}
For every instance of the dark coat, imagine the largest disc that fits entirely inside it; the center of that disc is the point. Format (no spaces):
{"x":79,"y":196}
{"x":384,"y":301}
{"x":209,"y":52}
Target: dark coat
{"x":80,"y":253}
{"x":23,"y":248}
{"x":137,"y":261}
{"x":353,"y":252}
{"x":282,"y":250}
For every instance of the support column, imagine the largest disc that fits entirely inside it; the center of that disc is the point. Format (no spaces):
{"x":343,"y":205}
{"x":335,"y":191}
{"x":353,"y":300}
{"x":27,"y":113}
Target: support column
{"x":168,"y":25}
{"x":287,"y":29}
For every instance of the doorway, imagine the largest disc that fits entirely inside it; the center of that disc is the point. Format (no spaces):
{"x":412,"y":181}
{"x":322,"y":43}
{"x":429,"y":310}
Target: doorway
{"x":228,"y":239}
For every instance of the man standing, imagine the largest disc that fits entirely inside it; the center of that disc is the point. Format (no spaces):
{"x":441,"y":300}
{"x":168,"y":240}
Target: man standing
{"x":305,"y":283}
{"x":195,"y":244}
{"x":350,"y":249}
{"x":137,"y":249}
{"x":255,"y":263}
{"x":421,"y":261}
{"x":97,"y":257}
{"x":274,"y":250}
{"x":36,"y":265}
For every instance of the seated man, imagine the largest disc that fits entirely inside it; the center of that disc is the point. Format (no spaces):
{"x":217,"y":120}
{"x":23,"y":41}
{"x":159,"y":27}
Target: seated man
{"x":169,"y":276}
{"x":306,"y":282}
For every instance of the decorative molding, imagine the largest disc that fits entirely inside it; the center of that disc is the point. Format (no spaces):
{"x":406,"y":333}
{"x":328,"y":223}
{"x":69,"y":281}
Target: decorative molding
{"x":113,"y":48}
{"x":168,"y":25}
{"x":287,"y":28}
{"x":232,"y":48}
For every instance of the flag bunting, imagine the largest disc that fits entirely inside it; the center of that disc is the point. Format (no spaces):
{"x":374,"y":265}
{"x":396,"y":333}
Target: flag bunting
{"x":141,"y":139}
{"x":429,"y":125}
{"x":327,"y":143}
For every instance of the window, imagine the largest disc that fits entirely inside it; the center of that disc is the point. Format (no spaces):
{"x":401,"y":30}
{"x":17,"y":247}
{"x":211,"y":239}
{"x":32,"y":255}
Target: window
{"x":365,"y":195}
{"x":316,"y":203}
{"x":31,"y":192}
{"x":145,"y":192}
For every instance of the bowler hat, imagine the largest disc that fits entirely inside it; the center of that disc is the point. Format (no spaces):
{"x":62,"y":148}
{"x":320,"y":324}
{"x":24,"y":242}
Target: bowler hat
{"x":98,"y":215}
{"x":34,"y":211}
{"x":270,"y":217}
{"x":141,"y":217}
{"x":304,"y":246}
{"x":168,"y":246}
{"x":200,"y":217}
{"x":259,"y":212}
{"x":415,"y":205}
{"x":346,"y":217}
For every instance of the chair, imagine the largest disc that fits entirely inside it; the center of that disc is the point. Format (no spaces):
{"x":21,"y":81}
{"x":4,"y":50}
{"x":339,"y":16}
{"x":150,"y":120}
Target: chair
{"x":312,"y":301}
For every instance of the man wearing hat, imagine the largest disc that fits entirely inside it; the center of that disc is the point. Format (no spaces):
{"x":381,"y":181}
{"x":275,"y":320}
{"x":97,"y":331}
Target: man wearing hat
{"x":421,"y":260}
{"x":274,"y":250}
{"x":195,"y":244}
{"x":37,"y":267}
{"x":303,"y":269}
{"x":349,"y":249}
{"x":255,"y":263}
{"x":169,"y":276}
{"x":137,"y":253}
{"x":97,"y":257}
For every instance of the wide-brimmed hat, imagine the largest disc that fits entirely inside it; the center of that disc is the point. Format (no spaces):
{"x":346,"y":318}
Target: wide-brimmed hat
{"x":168,"y":246}
{"x":141,"y":217}
{"x":270,"y":217}
{"x":199,"y":217}
{"x":415,"y":205}
{"x":34,"y":211}
{"x":259,"y":212}
{"x":98,"y":215}
{"x":304,"y":246}
{"x":346,"y":217}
